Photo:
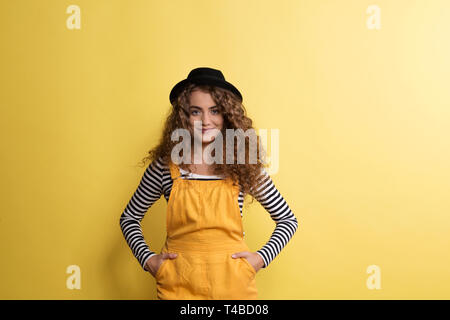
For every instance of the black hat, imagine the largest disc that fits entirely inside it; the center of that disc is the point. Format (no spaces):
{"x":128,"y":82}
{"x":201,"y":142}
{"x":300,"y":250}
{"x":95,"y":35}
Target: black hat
{"x":204,"y":75}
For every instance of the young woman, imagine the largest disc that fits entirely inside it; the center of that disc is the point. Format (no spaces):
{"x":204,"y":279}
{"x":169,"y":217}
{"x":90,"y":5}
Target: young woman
{"x":205,"y":255}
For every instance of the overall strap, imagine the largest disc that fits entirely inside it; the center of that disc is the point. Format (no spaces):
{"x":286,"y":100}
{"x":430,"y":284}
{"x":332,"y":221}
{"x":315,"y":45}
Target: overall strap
{"x":174,"y":170}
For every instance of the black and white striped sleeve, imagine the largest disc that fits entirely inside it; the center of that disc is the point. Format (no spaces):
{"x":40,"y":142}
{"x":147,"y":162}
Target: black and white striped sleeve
{"x":286,"y":222}
{"x":148,"y":192}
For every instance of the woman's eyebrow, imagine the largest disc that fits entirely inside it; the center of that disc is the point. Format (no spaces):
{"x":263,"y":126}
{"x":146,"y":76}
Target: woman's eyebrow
{"x":201,"y":108}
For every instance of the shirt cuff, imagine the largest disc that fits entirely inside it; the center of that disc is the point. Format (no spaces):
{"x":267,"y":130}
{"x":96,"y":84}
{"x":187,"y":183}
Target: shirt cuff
{"x":146,"y":259}
{"x":265,"y":262}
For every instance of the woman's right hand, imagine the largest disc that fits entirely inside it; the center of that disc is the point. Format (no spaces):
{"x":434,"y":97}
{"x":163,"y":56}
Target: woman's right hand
{"x":155,"y":262}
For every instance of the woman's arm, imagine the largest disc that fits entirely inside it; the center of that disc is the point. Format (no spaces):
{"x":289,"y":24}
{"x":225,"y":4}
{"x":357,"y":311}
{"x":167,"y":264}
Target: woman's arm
{"x":286,"y":223}
{"x":148,"y":191}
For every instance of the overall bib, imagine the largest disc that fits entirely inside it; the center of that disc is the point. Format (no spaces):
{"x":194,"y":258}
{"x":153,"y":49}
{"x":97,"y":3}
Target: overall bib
{"x":204,"y":227}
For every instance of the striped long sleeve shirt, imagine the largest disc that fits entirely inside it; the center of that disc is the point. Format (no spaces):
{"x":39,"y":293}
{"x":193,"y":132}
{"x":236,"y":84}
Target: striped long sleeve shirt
{"x":156,"y":181}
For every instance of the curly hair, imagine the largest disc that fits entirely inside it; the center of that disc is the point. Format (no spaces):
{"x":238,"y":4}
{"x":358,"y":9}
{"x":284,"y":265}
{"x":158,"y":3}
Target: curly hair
{"x":246,"y":175}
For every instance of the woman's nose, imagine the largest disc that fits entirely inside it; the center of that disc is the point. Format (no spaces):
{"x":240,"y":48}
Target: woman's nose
{"x":205,"y":119}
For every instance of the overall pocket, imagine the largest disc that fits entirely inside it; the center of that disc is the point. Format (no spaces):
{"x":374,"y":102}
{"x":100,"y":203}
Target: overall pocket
{"x":248,"y":266}
{"x":161,"y":268}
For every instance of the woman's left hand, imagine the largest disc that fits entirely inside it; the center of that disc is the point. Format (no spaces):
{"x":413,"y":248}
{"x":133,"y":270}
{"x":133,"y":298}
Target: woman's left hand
{"x":252,"y":257}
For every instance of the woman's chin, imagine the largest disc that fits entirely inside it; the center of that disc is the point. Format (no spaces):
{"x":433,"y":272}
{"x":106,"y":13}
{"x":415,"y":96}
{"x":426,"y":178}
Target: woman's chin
{"x":206,"y":140}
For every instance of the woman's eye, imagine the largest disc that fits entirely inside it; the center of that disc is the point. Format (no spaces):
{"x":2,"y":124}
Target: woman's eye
{"x":216,"y":111}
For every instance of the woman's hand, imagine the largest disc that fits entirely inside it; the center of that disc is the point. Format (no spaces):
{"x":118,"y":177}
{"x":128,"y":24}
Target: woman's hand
{"x":156,"y":261}
{"x":252,"y":257}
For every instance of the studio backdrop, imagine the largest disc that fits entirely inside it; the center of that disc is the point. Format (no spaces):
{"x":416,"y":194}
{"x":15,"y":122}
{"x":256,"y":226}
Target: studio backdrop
{"x":353,"y":96}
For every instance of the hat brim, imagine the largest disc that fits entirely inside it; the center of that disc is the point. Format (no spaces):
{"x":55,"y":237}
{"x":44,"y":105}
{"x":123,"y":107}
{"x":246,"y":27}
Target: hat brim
{"x":176,"y":90}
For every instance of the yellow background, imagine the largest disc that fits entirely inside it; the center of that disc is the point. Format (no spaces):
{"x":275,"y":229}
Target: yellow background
{"x":364,"y":124}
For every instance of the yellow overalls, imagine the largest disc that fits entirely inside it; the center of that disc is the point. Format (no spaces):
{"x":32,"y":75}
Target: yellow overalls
{"x":204,"y":227}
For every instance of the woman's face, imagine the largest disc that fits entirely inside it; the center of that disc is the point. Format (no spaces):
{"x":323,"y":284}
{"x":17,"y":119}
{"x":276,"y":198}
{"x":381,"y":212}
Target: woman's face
{"x":203,"y":108}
